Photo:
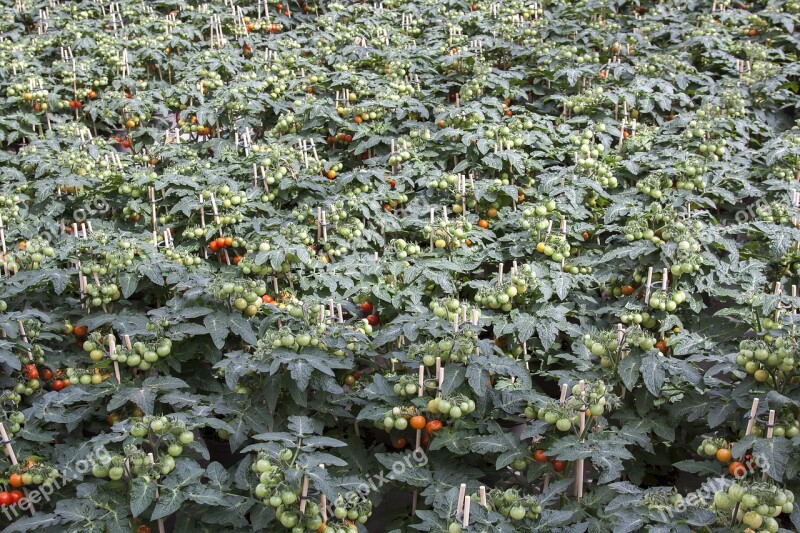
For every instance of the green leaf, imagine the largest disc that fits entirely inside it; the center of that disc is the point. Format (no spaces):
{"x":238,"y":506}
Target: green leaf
{"x":772,"y":456}
{"x":653,"y":374}
{"x":142,"y":495}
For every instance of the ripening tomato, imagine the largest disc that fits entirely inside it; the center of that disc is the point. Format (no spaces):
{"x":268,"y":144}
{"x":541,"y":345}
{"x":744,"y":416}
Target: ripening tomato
{"x":627,"y":290}
{"x":143,"y":529}
{"x":417,"y":422}
{"x":483,"y":223}
{"x":433,"y":426}
{"x":79,"y":331}
{"x":540,"y":456}
{"x":15,"y":480}
{"x":737,"y":469}
{"x":220,"y":242}
{"x":558,"y":466}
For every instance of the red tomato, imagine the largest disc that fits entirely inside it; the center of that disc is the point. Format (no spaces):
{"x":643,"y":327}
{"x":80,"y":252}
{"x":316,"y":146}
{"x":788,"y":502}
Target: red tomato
{"x":540,"y":456}
{"x":16,"y":496}
{"x":5,"y":498}
{"x":558,"y":466}
{"x":31,"y":372}
{"x":366,"y":307}
{"x":58,"y":385}
{"x":373,"y":320}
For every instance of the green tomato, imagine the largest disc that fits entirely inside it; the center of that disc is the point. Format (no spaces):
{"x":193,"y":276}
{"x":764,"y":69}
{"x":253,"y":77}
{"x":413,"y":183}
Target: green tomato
{"x":175,"y":450}
{"x":563,"y":424}
{"x":517,"y":512}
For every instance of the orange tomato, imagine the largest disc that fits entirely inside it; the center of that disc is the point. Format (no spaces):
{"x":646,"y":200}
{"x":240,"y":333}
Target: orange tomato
{"x":418,"y":422}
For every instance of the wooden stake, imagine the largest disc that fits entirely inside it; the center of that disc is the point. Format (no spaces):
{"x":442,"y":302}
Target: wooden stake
{"x":770,"y":427}
{"x":580,"y":462}
{"x":304,"y":495}
{"x":462,"y":489}
{"x":752,"y":420}
{"x":647,"y":286}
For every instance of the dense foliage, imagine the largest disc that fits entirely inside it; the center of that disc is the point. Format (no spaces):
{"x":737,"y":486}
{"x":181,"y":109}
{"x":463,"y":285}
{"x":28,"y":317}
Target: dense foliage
{"x":241,"y":239}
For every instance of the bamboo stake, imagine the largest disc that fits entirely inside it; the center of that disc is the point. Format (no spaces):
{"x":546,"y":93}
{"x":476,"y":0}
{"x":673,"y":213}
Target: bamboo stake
{"x":112,"y":347}
{"x":580,"y":462}
{"x":752,"y":420}
{"x":770,"y":428}
{"x":304,"y":495}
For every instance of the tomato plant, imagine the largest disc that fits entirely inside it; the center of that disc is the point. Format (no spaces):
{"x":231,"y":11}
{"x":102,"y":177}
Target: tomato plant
{"x":257,"y":256}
